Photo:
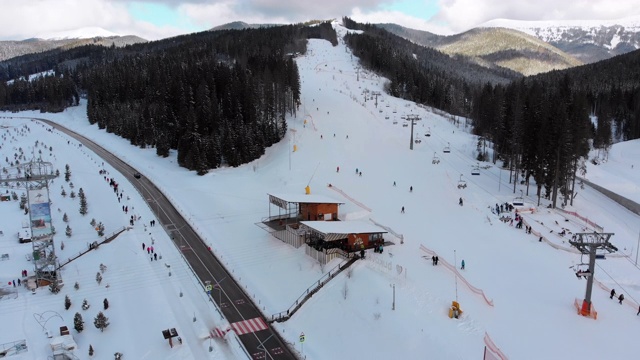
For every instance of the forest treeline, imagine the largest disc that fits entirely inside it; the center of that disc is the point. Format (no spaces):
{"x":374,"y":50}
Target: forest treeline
{"x":218,"y":97}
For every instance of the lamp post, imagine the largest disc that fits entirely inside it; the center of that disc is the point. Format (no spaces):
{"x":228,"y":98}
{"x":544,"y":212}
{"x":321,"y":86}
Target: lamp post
{"x":393,"y":304}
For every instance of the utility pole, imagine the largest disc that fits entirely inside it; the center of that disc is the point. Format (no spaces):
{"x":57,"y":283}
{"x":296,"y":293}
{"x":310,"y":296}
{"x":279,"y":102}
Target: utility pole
{"x":413,"y":119}
{"x":588,"y":243}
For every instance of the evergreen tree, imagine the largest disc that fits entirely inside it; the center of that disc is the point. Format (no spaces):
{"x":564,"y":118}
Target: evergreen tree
{"x":23,"y":201}
{"x":63,"y":193}
{"x":68,"y":231}
{"x":76,"y":286}
{"x":54,"y":287}
{"x":67,"y":302}
{"x":101,"y":321}
{"x":72,"y":194}
{"x":78,"y":323}
{"x":65,"y":218}
{"x":90,"y":350}
{"x":83,"y":202}
{"x":67,"y":173}
{"x":98,"y":278}
{"x":85,"y":304}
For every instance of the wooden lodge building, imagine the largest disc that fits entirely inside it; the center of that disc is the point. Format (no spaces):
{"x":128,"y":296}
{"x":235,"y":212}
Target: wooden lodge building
{"x":312,"y":220}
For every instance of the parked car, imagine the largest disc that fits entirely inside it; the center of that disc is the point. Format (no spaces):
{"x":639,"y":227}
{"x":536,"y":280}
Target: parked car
{"x":137,"y":175}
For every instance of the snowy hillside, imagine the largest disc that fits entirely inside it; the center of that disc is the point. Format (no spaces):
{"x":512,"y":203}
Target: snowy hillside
{"x":588,"y":40}
{"x":517,"y":290}
{"x":82,"y":33}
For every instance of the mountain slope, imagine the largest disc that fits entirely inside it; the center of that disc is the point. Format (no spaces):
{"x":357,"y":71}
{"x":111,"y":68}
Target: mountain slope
{"x":589,"y":41}
{"x":10,"y":49}
{"x":494,"y":47}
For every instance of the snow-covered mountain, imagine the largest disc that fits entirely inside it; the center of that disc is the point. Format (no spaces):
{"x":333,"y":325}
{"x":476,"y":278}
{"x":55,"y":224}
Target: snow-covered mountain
{"x":82,"y":33}
{"x":587,"y":40}
{"x":67,"y":39}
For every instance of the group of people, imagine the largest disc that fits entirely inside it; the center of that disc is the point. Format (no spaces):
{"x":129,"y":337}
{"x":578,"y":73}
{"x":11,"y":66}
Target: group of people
{"x":621,"y":299}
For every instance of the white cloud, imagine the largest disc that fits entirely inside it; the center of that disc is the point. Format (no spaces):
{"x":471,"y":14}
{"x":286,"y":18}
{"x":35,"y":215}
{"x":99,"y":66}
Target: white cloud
{"x":20,"y":19}
{"x":461,"y":15}
{"x":396,"y":17}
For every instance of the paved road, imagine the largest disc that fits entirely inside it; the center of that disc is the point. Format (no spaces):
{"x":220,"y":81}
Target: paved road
{"x":231,"y":299}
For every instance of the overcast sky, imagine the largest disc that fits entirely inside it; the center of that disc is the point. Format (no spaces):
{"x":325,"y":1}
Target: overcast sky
{"x":155,"y":19}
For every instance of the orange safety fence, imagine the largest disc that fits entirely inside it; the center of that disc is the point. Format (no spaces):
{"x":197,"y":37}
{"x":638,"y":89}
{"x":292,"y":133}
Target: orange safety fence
{"x":455,"y":270}
{"x":586,"y":220}
{"x":494,"y":349}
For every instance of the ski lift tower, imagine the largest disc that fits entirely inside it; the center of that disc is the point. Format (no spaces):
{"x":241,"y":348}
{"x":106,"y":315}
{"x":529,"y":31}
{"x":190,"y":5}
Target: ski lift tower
{"x":376,"y":94}
{"x":35,"y":177}
{"x":588,"y":243}
{"x":412,"y":118}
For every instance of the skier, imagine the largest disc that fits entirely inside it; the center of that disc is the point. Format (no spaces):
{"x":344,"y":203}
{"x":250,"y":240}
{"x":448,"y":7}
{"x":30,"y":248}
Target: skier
{"x":460,"y":202}
{"x":621,"y":298}
{"x":338,"y":169}
{"x":410,"y":188}
{"x":155,"y":256}
{"x":143,"y":246}
{"x":437,"y":259}
{"x":402,"y":211}
{"x":636,"y":314}
{"x":433,"y":260}
{"x":613,"y":293}
{"x":357,"y":171}
{"x":462,"y":265}
{"x":394,"y":183}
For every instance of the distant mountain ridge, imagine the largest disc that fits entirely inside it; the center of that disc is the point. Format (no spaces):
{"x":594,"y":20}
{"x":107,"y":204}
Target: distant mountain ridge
{"x":65,"y":40}
{"x":587,"y":40}
{"x":493,"y":47}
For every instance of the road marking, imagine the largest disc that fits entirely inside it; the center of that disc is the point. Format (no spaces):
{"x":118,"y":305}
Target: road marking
{"x":249,"y":326}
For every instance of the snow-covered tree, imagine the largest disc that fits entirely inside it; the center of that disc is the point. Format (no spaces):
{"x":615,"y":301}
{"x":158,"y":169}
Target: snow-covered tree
{"x":67,"y":173}
{"x":23,"y":201}
{"x":68,"y":231}
{"x":63,"y":193}
{"x":72,"y":194}
{"x":78,"y":323}
{"x":90,"y":350}
{"x":101,"y":321}
{"x":76,"y":286}
{"x":85,"y":304}
{"x":83,"y":202}
{"x":67,"y":302}
{"x":54,"y":287}
{"x":62,"y":243}
{"x":65,"y":218}
{"x":98,"y":278}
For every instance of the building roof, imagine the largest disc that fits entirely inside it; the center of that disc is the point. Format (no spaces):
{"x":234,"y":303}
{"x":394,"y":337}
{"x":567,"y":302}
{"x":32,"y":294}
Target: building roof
{"x":343,"y":227}
{"x":308,"y":199}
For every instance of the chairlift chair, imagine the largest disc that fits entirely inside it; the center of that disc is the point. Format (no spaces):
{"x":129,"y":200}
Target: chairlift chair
{"x":395,"y":121}
{"x":435,"y":160}
{"x":428,"y":133}
{"x":518,"y":201}
{"x":461,"y":183}
{"x":405,"y":124}
{"x":447,"y":149}
{"x":475,"y":170}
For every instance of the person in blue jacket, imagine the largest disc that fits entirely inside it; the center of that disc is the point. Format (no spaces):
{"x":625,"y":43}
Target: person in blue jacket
{"x":462,"y":267}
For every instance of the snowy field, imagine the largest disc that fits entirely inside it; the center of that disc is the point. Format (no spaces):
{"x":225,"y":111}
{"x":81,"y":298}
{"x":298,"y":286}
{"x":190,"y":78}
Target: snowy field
{"x":522,"y":290}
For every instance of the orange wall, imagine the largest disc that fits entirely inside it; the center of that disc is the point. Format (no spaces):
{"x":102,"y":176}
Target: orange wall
{"x":311,"y":211}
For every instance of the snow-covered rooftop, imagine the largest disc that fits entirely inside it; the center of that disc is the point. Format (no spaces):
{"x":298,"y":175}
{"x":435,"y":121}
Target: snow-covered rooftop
{"x":308,"y":199}
{"x":343,"y":227}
